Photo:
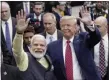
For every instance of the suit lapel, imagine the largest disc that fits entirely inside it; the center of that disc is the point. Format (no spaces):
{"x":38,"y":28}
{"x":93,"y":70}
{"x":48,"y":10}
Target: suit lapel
{"x":13,"y":28}
{"x":25,"y":48}
{"x":76,"y":43}
{"x":44,"y":33}
{"x":61,"y":57}
{"x":59,"y":34}
{"x":2,"y":35}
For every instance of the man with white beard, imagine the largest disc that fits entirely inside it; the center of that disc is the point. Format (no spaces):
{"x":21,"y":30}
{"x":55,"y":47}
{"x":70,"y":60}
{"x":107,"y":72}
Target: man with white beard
{"x":36,"y":65}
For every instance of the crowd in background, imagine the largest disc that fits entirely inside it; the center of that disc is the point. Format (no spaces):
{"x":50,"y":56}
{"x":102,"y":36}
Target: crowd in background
{"x":34,"y":36}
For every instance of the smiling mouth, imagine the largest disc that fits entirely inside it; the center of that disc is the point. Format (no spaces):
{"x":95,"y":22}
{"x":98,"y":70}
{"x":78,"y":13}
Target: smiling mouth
{"x":38,"y":51}
{"x":66,"y":31}
{"x":48,"y":29}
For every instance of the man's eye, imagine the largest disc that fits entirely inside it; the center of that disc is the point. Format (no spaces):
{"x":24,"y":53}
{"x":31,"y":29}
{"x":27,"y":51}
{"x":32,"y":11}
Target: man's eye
{"x":98,"y":26}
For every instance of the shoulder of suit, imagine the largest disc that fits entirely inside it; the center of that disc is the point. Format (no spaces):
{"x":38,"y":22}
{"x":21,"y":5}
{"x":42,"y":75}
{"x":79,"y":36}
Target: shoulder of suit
{"x":81,"y":35}
{"x":59,"y":31}
{"x":51,"y":67}
{"x":43,"y":33}
{"x":57,"y":42}
{"x":14,"y":21}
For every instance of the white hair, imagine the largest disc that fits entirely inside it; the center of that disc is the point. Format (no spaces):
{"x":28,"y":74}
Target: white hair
{"x":39,"y":37}
{"x":50,"y":14}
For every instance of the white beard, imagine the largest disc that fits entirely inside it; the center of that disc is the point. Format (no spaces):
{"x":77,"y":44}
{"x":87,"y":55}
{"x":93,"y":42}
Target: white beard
{"x":37,"y":54}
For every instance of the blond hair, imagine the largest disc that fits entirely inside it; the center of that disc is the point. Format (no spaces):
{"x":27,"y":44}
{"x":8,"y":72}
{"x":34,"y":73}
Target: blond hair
{"x":69,"y":18}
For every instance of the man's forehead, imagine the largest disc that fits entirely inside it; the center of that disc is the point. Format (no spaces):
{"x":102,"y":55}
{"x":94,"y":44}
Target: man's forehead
{"x":39,"y":41}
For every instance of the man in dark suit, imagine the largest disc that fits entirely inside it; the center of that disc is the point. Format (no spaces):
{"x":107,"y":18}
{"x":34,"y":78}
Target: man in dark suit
{"x":9,"y":72}
{"x":7,"y":28}
{"x":37,"y":15}
{"x":101,"y":53}
{"x":50,"y":33}
{"x":71,"y":55}
{"x":28,"y":34}
{"x":107,"y":76}
{"x":27,"y":6}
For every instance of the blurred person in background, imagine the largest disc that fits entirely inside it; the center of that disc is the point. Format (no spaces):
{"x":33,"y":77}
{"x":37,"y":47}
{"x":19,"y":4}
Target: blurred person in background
{"x":28,"y":34}
{"x":27,"y":6}
{"x":36,"y":16}
{"x":7,"y":29}
{"x":51,"y":32}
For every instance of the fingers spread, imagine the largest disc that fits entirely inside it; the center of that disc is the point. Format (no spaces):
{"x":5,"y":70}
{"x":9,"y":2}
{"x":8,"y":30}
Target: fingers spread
{"x":27,"y":20}
{"x":22,"y":16}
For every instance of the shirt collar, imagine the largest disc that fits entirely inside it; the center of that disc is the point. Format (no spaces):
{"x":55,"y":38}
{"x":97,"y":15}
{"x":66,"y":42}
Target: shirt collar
{"x":64,"y":40}
{"x":53,"y":34}
{"x":105,"y":37}
{"x":8,"y":21}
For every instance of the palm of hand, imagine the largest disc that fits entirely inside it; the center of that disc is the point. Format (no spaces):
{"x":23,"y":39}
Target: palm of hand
{"x":86,"y":17}
{"x":21,"y":25}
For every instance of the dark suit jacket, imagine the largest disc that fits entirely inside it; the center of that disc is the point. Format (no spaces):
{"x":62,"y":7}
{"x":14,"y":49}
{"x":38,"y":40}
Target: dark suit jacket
{"x":25,"y":48}
{"x":107,"y":75}
{"x":12,"y":5}
{"x":9,"y":72}
{"x":36,"y":71}
{"x":38,"y":27}
{"x":5,"y":51}
{"x":20,"y":6}
{"x":82,"y":43}
{"x":59,"y":34}
{"x":108,"y":71}
{"x":7,"y":58}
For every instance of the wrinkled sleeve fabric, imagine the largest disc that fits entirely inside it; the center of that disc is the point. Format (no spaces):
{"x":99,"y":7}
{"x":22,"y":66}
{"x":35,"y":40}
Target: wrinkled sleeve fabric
{"x":21,"y":57}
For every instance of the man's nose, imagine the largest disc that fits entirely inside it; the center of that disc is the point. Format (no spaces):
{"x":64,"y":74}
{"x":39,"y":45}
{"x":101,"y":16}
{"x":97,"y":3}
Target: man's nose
{"x":39,"y":47}
{"x":29,"y":39}
{"x":47,"y":25}
{"x":65,"y":27}
{"x":4,"y":13}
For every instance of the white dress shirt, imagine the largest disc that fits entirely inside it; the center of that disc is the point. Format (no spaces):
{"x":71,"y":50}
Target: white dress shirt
{"x":96,"y":51}
{"x":10,"y":28}
{"x":54,"y":37}
{"x":28,"y":6}
{"x":77,"y":75}
{"x":29,"y":48}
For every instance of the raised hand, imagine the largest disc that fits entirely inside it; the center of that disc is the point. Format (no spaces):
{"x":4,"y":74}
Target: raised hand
{"x":86,"y":17}
{"x":22,"y":23}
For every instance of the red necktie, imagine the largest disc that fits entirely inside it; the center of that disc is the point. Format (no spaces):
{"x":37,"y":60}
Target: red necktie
{"x":69,"y":62}
{"x":102,"y":67}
